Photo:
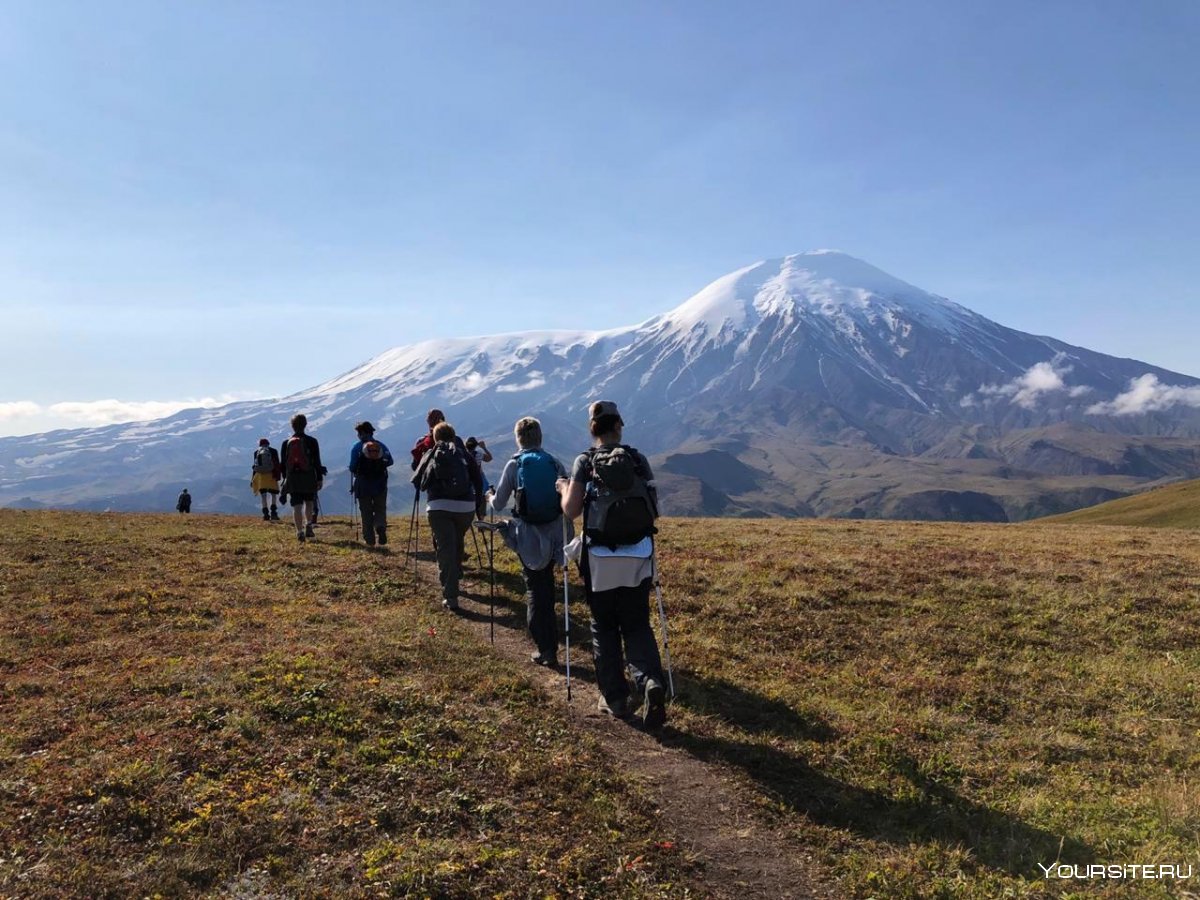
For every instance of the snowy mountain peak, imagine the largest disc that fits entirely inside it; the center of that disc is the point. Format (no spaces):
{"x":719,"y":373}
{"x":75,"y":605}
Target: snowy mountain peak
{"x":825,"y":283}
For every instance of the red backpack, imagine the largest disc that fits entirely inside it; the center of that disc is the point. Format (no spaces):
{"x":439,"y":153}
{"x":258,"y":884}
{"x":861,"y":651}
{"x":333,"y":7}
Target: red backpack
{"x":297,"y":455}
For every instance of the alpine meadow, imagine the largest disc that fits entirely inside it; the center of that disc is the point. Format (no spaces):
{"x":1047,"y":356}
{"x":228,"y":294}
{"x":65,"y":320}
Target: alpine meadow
{"x":876,"y":709}
{"x":599,"y":451}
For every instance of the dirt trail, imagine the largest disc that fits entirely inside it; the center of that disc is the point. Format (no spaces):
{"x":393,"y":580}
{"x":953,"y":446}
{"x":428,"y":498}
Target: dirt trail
{"x":705,"y":807}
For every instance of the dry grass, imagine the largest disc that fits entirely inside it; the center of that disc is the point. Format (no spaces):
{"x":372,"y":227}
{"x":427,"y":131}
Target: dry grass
{"x":1172,"y":506}
{"x":940,"y":707}
{"x":933,"y":709}
{"x":201,"y":706}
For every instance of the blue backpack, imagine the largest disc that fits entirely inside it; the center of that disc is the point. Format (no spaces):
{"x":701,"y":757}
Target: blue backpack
{"x":536,"y":499}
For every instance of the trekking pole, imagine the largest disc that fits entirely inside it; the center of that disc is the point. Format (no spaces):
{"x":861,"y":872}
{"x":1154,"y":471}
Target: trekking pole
{"x":567,"y":606}
{"x":662,"y":616}
{"x":478,"y":555}
{"x":410,"y":546}
{"x":491,"y":540}
{"x":353,"y":508}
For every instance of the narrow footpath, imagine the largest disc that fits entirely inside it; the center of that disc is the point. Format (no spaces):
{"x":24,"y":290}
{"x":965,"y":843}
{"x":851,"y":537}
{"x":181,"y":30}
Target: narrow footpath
{"x":706,"y":807}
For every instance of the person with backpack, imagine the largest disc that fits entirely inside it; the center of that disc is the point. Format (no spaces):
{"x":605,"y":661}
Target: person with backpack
{"x":300,"y":462}
{"x":535,"y":532}
{"x":482,"y":455}
{"x":425,"y":443}
{"x":449,"y":476}
{"x":264,"y":478}
{"x":369,"y":462}
{"x":184,"y":503}
{"x":613,"y":487}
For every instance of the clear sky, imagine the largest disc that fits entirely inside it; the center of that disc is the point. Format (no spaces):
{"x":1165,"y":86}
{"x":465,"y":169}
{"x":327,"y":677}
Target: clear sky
{"x":232,"y":199}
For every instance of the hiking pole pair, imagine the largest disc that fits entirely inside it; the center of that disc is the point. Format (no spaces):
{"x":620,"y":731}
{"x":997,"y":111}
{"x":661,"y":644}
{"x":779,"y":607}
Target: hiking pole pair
{"x":662,"y":616}
{"x":478,"y":555}
{"x":414,"y":534}
{"x":567,"y":605}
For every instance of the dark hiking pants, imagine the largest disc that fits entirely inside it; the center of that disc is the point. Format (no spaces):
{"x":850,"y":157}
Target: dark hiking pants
{"x":621,"y":616}
{"x":449,"y":531}
{"x":539,"y":610}
{"x":374,"y":515}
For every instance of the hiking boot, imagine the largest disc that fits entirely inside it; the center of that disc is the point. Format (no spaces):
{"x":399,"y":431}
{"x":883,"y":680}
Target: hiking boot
{"x":451,"y":605}
{"x":539,"y":659}
{"x":618,"y":709}
{"x":308,"y":531}
{"x":300,"y":536}
{"x":382,"y":534}
{"x":266,"y":516}
{"x":274,"y":514}
{"x":654,"y":715}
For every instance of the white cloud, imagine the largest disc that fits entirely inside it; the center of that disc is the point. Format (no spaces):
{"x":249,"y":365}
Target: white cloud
{"x":18,"y":409}
{"x":470,"y":382}
{"x":535,"y":381}
{"x":1147,"y":394}
{"x":110,"y":412}
{"x":1030,"y":386}
{"x":28,"y":417}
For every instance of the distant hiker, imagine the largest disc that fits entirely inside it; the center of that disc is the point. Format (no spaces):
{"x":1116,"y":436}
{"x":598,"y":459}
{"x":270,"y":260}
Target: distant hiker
{"x":264,"y":478}
{"x":449,"y":476}
{"x":425,"y":444}
{"x":482,"y":455}
{"x":535,"y":532}
{"x":612,"y":485}
{"x":369,"y":461}
{"x":300,"y":459}
{"x":184,"y":503}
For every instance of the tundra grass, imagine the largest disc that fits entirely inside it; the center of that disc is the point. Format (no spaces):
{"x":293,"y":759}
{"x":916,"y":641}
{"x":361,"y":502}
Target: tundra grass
{"x":940,"y":708}
{"x":1171,"y":506}
{"x":199,"y":705}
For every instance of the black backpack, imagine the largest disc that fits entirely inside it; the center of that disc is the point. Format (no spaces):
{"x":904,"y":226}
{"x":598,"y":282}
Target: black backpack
{"x":371,"y":465}
{"x":621,"y":505}
{"x":446,"y":476}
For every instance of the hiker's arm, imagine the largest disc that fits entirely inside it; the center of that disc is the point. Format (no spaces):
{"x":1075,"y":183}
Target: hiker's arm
{"x":487,"y":454}
{"x":503,"y":490}
{"x":354,"y":454}
{"x":572,"y":496}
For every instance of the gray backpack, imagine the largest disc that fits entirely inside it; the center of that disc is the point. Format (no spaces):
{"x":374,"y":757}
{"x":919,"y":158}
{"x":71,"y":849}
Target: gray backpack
{"x":621,"y":508}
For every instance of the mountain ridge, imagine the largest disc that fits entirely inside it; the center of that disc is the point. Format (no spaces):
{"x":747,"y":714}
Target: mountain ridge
{"x":819,"y":351}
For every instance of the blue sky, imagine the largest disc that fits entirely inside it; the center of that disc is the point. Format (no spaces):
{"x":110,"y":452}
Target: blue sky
{"x":230,"y":199}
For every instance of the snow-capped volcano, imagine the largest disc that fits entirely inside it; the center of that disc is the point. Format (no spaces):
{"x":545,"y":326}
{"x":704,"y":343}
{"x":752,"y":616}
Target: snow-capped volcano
{"x":814,"y":362}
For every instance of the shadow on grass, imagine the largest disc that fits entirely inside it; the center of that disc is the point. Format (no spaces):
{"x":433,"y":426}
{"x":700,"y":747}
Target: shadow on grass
{"x":929,"y":812}
{"x":747,"y":710}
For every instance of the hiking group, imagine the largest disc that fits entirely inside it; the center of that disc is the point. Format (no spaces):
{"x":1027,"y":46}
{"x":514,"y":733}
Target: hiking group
{"x":611,"y":485}
{"x":293,"y":473}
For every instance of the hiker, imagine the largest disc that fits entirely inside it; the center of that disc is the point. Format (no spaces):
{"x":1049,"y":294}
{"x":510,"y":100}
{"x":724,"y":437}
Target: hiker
{"x":264,"y":478}
{"x":300,"y":459}
{"x":425,"y":443}
{"x":449,"y":476}
{"x":369,"y":461}
{"x":184,"y":503}
{"x":535,"y":532}
{"x":482,"y":455}
{"x":613,"y":486}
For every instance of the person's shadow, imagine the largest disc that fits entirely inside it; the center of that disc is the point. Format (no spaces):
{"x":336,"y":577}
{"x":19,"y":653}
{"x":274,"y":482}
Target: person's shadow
{"x":920,"y":810}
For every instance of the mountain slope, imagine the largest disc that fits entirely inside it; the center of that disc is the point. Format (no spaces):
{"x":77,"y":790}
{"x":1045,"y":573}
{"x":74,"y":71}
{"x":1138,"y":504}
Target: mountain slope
{"x":1170,"y":506}
{"x":837,"y":388}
